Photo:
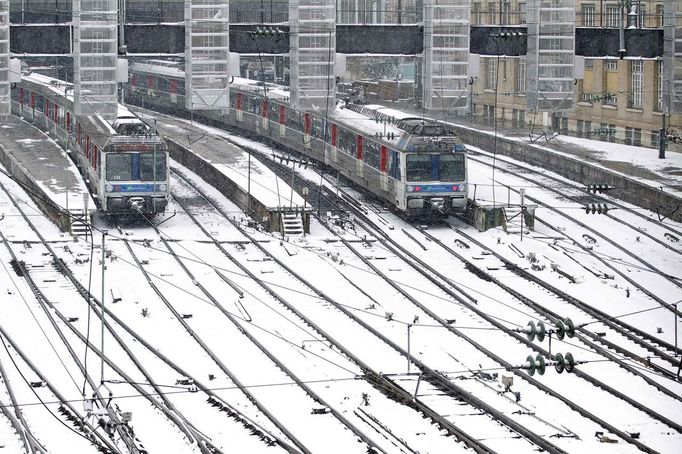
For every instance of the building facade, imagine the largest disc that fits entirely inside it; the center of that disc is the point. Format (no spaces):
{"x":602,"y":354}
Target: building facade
{"x":617,"y":100}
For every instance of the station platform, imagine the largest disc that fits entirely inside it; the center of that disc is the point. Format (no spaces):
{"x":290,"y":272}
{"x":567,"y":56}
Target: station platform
{"x":224,"y":165}
{"x":38,"y":163}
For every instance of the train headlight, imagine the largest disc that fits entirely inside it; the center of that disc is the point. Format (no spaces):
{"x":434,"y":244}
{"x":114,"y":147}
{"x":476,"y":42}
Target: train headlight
{"x":108,"y":188}
{"x":163,"y":187}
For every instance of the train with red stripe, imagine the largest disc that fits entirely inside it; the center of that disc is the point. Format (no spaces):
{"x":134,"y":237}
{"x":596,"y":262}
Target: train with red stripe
{"x":124,"y":163}
{"x":416,"y":165}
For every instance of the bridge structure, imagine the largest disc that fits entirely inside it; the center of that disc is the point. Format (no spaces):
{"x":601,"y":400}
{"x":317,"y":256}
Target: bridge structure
{"x":438,"y":34}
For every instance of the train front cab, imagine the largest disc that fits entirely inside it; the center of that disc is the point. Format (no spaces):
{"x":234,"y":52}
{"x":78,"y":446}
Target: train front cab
{"x":135,"y":182}
{"x":435,"y":183}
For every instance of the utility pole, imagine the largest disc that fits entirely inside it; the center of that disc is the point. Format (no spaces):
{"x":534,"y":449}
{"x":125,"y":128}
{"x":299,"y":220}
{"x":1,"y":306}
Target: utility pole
{"x":661,"y":138}
{"x":104,"y":237}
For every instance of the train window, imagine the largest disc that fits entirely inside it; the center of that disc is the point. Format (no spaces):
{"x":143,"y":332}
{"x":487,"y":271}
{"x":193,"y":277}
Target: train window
{"x":372,"y":154}
{"x":394,"y":164}
{"x":347,"y":142}
{"x":451,"y":167}
{"x":294,"y":119}
{"x":119,"y":167}
{"x":419,"y":167}
{"x":274,"y":111}
{"x":147,"y":161}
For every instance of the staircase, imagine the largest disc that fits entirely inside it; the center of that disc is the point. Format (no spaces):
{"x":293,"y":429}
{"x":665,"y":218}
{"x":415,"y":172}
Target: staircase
{"x":292,"y":224}
{"x":79,"y":223}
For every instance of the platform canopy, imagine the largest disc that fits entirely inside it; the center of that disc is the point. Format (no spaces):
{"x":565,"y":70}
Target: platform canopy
{"x":672,"y":56}
{"x":312,"y":51}
{"x":5,"y":101}
{"x":446,"y":53}
{"x":95,"y":52}
{"x":551,"y":55}
{"x":207,"y":54}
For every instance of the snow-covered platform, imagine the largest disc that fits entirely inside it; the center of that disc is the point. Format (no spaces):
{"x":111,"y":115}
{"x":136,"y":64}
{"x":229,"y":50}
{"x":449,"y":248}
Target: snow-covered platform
{"x":43,"y":167}
{"x":232,"y":170}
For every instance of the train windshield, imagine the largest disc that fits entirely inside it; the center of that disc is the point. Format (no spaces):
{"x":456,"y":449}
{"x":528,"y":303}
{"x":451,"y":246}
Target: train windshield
{"x":435,"y":167}
{"x":119,"y":167}
{"x":419,"y":167}
{"x":147,"y":166}
{"x":451,"y":167}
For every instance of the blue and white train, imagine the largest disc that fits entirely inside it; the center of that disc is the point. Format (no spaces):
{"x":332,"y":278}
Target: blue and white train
{"x":124,"y":163}
{"x":414,"y":164}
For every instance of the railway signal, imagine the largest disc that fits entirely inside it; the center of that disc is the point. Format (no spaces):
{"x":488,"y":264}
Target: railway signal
{"x":599,"y":208}
{"x":598,"y":188}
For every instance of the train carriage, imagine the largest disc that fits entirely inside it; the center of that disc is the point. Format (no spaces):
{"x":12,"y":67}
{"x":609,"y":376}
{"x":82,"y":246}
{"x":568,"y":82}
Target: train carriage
{"x":415,"y":164}
{"x":124,"y":163}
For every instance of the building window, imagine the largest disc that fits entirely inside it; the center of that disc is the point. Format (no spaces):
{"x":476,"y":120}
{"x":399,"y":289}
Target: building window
{"x":659,"y":86}
{"x":641,"y":15}
{"x":636,"y":75}
{"x":659,"y":16}
{"x":589,"y":63}
{"x":493,"y":13}
{"x":588,"y":129}
{"x":521,"y":76}
{"x":581,"y":125}
{"x":505,"y":13}
{"x":612,"y":16}
{"x":476,"y":13}
{"x":491,"y":80}
{"x":587,"y":12}
{"x":611,"y":65}
{"x":637,"y":138}
{"x":523,"y":12}
{"x":654,"y":138}
{"x":628,"y":136}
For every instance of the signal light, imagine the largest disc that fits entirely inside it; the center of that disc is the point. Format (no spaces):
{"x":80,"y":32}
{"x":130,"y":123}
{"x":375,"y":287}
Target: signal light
{"x":600,"y":188}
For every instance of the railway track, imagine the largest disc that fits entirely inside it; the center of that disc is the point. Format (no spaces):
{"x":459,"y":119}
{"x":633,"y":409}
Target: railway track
{"x":584,"y":194}
{"x":281,"y":425}
{"x":360,"y":214}
{"x":438,"y":382}
{"x":675,"y":281}
{"x":205,"y":445}
{"x":654,"y":345}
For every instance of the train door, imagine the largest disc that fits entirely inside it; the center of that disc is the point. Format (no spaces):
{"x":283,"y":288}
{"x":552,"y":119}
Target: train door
{"x":173,"y":89}
{"x":282,"y":120}
{"x":359,"y":165}
{"x":239,"y":103}
{"x":21,"y":100}
{"x":150,"y":84}
{"x":307,"y":128}
{"x":334,"y":139}
{"x":383,"y":167}
{"x":264,"y":110}
{"x":46,"y":112}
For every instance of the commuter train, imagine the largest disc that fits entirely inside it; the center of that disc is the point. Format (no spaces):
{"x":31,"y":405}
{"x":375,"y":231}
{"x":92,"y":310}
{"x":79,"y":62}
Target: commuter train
{"x":124,"y":163}
{"x":416,"y":165}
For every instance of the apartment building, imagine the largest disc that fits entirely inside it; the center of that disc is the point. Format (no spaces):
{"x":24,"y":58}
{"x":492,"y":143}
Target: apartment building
{"x":616,"y":100}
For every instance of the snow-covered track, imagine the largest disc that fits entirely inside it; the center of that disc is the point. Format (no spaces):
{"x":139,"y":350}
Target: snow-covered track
{"x":438,"y":279}
{"x":61,"y":271}
{"x":655,"y":345}
{"x":675,"y":281}
{"x":382,"y":382}
{"x":583,"y":194}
